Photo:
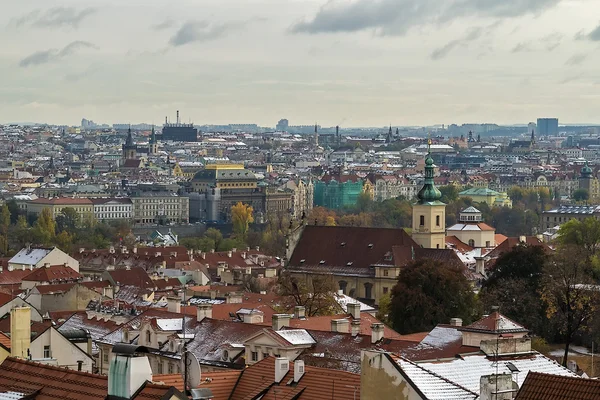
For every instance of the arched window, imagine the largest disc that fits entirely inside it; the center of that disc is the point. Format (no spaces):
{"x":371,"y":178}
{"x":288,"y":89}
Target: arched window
{"x":471,"y":243}
{"x":368,"y":290}
{"x":343,"y":286}
{"x":148,"y":337}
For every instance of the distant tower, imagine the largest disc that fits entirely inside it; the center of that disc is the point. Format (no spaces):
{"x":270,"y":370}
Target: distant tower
{"x":586,"y":178}
{"x":129,"y":148}
{"x":153,"y":143}
{"x":478,"y":138}
{"x":429,"y":213}
{"x":470,"y":137}
{"x":388,"y":140}
{"x":337,"y":135}
{"x":397,"y":132}
{"x":532,"y":137}
{"x":316,"y":136}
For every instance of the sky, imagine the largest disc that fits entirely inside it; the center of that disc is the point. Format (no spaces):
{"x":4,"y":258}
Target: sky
{"x":346,"y":62}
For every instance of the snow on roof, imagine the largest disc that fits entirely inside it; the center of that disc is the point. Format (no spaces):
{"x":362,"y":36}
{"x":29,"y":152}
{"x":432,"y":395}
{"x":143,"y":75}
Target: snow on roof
{"x":440,"y":336}
{"x":11,"y":395}
{"x":169,"y":324}
{"x":296,"y":336}
{"x":29,"y":256}
{"x":343,"y":300}
{"x":468,"y":370}
{"x":432,"y":386}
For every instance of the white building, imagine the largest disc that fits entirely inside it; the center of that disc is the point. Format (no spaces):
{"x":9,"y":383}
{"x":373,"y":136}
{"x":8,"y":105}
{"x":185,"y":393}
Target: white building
{"x":113,"y":209}
{"x":38,"y":257}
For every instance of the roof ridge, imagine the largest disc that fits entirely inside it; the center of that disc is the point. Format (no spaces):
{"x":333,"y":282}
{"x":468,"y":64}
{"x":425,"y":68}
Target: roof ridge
{"x":55,"y":368}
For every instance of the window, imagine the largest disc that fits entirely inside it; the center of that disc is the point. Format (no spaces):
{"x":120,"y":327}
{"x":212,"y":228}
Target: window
{"x":265,"y":355}
{"x":170,"y":368}
{"x":46,"y":351}
{"x":149,"y":337}
{"x":385,"y":290}
{"x":487,"y":244}
{"x":386,"y":272}
{"x":437,"y":220}
{"x":254,"y":356}
{"x":471,"y":242}
{"x":160,"y":367}
{"x":422,"y":220}
{"x":105,"y":356}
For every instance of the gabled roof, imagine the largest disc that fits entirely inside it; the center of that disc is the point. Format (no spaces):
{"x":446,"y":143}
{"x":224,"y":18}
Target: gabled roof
{"x":53,"y":273}
{"x":221,"y":383}
{"x":53,"y":289}
{"x":339,"y":246}
{"x":30,"y":256}
{"x":316,"y":383}
{"x":538,"y":386}
{"x":53,"y":383}
{"x":132,"y":277}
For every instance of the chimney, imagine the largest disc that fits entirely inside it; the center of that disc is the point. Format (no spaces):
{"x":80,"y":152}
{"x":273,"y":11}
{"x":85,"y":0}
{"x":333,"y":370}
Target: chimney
{"x":233,"y":298}
{"x":355,"y":327}
{"x":354,"y":310}
{"x":340,"y":325}
{"x":112,"y":250}
{"x":480,"y":265}
{"x":522,"y":239}
{"x":174,"y":305}
{"x":220,"y":270}
{"x":282,"y":367}
{"x":253,"y":317}
{"x":243,"y":255}
{"x":81,"y":250}
{"x":298,"y":370}
{"x":248,"y":270}
{"x":257,"y":248}
{"x":456,"y":321}
{"x":20,"y":332}
{"x":572,"y":365}
{"x":203,"y":255}
{"x":376,"y":332}
{"x":134,"y":249}
{"x":496,"y":387}
{"x":229,"y":254}
{"x":280,"y":321}
{"x":109,"y":292}
{"x":203,"y":311}
{"x":300,"y":312}
{"x":128,"y":371}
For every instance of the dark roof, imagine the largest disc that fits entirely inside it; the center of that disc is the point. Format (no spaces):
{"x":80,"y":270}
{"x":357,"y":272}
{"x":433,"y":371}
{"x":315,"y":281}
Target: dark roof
{"x":538,"y":386}
{"x":133,"y":277}
{"x":53,"y":273}
{"x":340,"y":246}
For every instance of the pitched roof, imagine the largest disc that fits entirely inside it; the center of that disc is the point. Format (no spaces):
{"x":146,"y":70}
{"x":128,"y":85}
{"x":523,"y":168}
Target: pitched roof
{"x":221,"y":383}
{"x":51,"y":383}
{"x":4,"y":341}
{"x":54,"y":289}
{"x":343,"y":246}
{"x":538,"y":386}
{"x":30,"y":256}
{"x":52,"y":273}
{"x":13,"y":277}
{"x":495,"y":323}
{"x":316,"y":383}
{"x":131,"y":277}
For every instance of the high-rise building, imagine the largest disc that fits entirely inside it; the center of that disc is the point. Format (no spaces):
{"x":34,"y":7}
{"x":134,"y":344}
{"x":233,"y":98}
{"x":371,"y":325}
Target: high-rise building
{"x":547,"y":126}
{"x":179,"y":132}
{"x":282,"y":125}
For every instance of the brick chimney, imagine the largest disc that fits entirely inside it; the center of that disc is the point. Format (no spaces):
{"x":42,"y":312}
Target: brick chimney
{"x":203,"y":311}
{"x":340,"y":325}
{"x":355,"y":327}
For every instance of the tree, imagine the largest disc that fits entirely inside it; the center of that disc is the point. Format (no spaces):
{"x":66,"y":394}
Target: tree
{"x":385,"y":306}
{"x":364,"y":202}
{"x":449,"y":193}
{"x":583,"y":234}
{"x":581,"y":195}
{"x":315,"y":293}
{"x":330,"y":221}
{"x":241,"y":216}
{"x":15,"y":212}
{"x":319,"y":216}
{"x":514,"y":285}
{"x":4,"y":220}
{"x":216,"y":236}
{"x":68,"y":220}
{"x":21,"y":231}
{"x":45,"y":227}
{"x":430,"y":292}
{"x":572,"y":299}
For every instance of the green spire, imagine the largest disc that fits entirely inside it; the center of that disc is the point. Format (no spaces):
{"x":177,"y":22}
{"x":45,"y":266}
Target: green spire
{"x":429,"y":193}
{"x":153,"y":136}
{"x":586,"y":172}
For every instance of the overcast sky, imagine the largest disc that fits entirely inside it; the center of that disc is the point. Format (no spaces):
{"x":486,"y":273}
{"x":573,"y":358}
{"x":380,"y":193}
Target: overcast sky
{"x":347,"y":62}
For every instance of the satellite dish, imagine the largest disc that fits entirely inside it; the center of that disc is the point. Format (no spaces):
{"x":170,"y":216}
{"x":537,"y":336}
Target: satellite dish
{"x":193,"y":370}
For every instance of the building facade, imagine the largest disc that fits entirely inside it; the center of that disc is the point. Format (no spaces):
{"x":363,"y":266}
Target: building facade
{"x":337,"y":191}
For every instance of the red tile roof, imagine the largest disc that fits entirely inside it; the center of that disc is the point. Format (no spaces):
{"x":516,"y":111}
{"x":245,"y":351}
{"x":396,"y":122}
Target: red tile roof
{"x":5,"y":298}
{"x":55,"y":383}
{"x":13,"y":277}
{"x":538,"y":386}
{"x":458,"y":244}
{"x":221,"y":383}
{"x":316,"y":383}
{"x":54,"y":289}
{"x":53,"y":273}
{"x":4,"y":341}
{"x":63,"y":201}
{"x":131,"y":277}
{"x":495,"y":323}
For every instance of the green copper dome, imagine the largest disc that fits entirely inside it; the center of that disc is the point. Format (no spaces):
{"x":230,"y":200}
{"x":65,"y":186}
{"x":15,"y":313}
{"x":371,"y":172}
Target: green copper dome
{"x":586,"y":172}
{"x":429,"y":193}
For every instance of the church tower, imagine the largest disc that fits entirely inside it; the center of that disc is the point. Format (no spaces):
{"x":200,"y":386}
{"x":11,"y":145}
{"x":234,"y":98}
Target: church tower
{"x":429,"y":213}
{"x":129,"y":148}
{"x":153,"y":143}
{"x":316,"y":136}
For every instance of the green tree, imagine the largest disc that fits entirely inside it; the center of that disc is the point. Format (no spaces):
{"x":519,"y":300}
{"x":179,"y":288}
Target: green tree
{"x":216,"y":236}
{"x":428,"y":293}
{"x":581,"y":195}
{"x":514,"y":285}
{"x":13,"y":207}
{"x":21,"y":231}
{"x":385,"y":307}
{"x":46,"y":223}
{"x":4,"y":220}
{"x":572,"y":300}
{"x":68,"y":220}
{"x":583,"y":234}
{"x":449,"y":193}
{"x":364,"y":202}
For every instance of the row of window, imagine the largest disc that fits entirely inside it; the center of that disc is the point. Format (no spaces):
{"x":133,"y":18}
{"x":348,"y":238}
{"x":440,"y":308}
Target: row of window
{"x":113,"y":208}
{"x":114,"y":215}
{"x":422,"y":220}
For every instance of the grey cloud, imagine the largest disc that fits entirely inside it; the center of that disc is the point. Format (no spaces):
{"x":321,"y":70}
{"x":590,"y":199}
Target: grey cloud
{"x":166,"y":24}
{"x":577,"y":59}
{"x":46,"y":56}
{"x":399,"y":16}
{"x":55,"y":17}
{"x":595,"y":34}
{"x":472,"y":35}
{"x":199,"y":31}
{"x":551,"y":41}
{"x":521,"y":47}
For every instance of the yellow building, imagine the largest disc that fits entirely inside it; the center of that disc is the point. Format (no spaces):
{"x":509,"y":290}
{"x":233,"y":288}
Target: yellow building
{"x":83,"y":206}
{"x":223,"y":176}
{"x":489,"y":196}
{"x":429,"y":213}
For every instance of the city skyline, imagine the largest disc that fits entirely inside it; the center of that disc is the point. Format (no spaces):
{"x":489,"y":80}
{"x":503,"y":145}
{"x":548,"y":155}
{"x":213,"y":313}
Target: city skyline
{"x":358,"y":63}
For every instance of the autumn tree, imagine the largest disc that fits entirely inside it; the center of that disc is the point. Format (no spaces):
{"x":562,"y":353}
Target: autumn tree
{"x":429,"y":292}
{"x":68,"y":220}
{"x":4,"y":220}
{"x":315,"y":293}
{"x":241,"y":216}
{"x":571,"y":297}
{"x":583,"y":234}
{"x":514,"y":284}
{"x":44,"y":227}
{"x":320,"y":216}
{"x":581,"y":195}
